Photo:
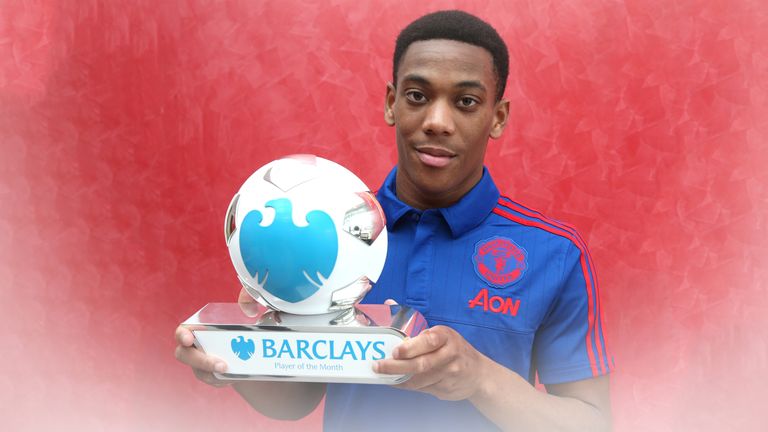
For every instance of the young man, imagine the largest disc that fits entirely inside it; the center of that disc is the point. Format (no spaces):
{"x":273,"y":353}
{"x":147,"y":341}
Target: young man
{"x":507,"y":292}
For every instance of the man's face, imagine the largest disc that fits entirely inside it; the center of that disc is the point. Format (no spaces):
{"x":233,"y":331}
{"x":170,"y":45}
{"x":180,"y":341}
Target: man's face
{"x":444,"y":110}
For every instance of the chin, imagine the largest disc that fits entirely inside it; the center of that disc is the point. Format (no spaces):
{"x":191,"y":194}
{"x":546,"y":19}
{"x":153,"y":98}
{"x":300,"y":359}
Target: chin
{"x":435,"y":187}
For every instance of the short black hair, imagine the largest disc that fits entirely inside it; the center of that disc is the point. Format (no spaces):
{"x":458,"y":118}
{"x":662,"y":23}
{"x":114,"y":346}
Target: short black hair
{"x":458,"y":26}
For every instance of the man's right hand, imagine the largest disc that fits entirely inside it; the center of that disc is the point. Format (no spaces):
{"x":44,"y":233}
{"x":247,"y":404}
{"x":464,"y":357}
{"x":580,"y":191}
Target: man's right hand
{"x":202,"y":364}
{"x":277,"y":399}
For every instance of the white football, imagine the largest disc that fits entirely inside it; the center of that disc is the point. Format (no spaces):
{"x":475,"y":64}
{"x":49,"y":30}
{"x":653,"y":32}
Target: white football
{"x":306,"y":236}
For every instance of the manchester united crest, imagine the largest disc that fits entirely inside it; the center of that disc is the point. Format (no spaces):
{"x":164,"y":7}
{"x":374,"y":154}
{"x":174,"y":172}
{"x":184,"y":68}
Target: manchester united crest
{"x":499,"y":261}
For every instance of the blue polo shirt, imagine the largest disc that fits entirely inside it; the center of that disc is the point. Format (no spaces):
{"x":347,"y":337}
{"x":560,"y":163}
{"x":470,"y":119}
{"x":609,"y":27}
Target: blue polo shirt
{"x":516,"y":285}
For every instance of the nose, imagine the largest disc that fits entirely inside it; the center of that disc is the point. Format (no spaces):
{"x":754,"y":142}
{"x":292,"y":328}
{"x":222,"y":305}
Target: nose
{"x":438,"y":119}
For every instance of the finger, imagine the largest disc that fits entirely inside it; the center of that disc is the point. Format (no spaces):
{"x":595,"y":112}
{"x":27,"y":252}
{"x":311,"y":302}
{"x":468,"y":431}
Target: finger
{"x":199,"y":360}
{"x":437,"y":389}
{"x":390,"y":302}
{"x":395,"y":367}
{"x":424,"y":364}
{"x":426,"y":342}
{"x":420,"y":382}
{"x":210,"y":378}
{"x":184,"y":336}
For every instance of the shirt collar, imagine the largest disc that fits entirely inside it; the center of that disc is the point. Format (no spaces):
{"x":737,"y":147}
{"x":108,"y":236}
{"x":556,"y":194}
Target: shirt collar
{"x":461,"y":217}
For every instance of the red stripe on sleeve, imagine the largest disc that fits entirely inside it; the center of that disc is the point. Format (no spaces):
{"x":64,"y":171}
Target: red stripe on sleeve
{"x":604,"y":357}
{"x":587,"y":279}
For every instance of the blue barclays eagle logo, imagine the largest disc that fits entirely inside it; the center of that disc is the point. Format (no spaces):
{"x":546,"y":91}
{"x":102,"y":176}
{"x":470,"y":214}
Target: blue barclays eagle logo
{"x":291,"y":262}
{"x":243,"y":348}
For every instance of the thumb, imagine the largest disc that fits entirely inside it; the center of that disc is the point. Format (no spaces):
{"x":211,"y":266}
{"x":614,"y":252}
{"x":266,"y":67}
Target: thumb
{"x":248,"y":304}
{"x":244,"y":297}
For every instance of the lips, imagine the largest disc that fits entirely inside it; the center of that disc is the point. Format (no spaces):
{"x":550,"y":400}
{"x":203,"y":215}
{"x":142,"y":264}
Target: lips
{"x":435,"y":157}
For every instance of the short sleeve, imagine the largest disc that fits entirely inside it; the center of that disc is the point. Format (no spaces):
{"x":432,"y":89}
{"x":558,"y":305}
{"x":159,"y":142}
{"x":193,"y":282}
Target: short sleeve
{"x":569,"y":344}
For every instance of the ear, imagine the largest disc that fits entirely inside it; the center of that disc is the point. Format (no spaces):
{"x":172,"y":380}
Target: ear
{"x":500,"y":117}
{"x":389,"y":104}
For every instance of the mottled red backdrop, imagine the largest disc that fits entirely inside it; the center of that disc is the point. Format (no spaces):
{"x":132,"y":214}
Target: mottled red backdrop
{"x":126,"y":127}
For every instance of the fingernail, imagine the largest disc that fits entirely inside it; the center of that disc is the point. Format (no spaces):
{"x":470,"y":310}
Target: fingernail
{"x":220,"y":367}
{"x":376,"y":367}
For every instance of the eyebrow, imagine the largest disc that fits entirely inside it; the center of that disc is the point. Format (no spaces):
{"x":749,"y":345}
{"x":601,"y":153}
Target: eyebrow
{"x":417,"y":79}
{"x":472,"y":84}
{"x":461,"y":84}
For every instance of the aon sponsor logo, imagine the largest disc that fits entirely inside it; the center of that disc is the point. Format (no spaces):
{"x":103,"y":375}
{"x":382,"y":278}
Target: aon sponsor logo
{"x":495,"y":304}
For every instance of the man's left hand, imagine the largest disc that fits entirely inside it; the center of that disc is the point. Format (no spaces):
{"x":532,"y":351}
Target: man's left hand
{"x":441,"y":363}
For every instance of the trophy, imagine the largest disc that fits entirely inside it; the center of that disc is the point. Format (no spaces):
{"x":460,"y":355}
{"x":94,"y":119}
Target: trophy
{"x":307,"y":238}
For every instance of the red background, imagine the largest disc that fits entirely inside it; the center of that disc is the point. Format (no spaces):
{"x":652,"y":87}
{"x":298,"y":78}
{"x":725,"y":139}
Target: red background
{"x":126,"y":127}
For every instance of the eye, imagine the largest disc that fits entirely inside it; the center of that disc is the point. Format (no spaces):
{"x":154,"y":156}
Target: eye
{"x":467,"y":102}
{"x":415,"y":96}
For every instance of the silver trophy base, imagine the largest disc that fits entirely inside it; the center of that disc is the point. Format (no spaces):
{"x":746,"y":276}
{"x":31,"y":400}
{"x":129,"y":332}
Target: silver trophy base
{"x":258,"y":343}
